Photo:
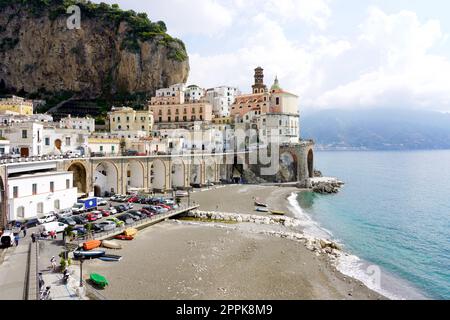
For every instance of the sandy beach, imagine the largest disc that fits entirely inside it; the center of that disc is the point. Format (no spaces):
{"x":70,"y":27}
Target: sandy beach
{"x":193,"y":260}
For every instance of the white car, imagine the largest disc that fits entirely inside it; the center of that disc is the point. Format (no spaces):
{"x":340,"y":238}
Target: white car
{"x":107,"y":225}
{"x":78,"y":208}
{"x":98,"y":214}
{"x":101,"y":201}
{"x":53,"y":226}
{"x":49,"y":217}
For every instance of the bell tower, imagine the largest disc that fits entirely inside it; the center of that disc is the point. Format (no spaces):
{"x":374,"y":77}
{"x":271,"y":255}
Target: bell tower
{"x":259,"y":86}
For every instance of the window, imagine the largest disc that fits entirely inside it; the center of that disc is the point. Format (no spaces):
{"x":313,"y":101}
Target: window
{"x":15,"y":192}
{"x":101,"y":148}
{"x":113,"y":149}
{"x":67,"y":141}
{"x":47,"y":141}
{"x":277,"y":101}
{"x":34,"y":189}
{"x":160,"y":119}
{"x":24,"y":134}
{"x":169,"y":119}
{"x":52,"y":186}
{"x":128,"y":119}
{"x":67,"y":183}
{"x":143,"y":128}
{"x":118,"y":119}
{"x":57,"y":204}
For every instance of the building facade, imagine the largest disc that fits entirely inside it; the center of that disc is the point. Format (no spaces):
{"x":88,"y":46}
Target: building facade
{"x":129,"y":120}
{"x":33,"y":195}
{"x":17,"y":105}
{"x":86,"y":123}
{"x":221,"y":99}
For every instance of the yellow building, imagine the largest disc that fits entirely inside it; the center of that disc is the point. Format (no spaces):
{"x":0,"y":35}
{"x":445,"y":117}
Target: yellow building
{"x":17,"y":105}
{"x":130,"y":120}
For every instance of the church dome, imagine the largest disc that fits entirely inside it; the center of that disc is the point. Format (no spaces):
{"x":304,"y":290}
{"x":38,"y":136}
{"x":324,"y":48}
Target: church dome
{"x":276,"y":85}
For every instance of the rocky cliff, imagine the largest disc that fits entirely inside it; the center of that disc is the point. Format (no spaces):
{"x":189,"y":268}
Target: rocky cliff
{"x":114,"y":51}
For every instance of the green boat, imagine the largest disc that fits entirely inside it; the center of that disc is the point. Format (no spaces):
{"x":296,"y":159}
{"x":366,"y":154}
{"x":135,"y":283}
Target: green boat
{"x":99,"y":280}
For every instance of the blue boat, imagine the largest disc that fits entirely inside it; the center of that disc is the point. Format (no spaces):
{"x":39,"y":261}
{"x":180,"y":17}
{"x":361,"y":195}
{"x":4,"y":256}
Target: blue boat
{"x":110,"y":258}
{"x":88,"y":254}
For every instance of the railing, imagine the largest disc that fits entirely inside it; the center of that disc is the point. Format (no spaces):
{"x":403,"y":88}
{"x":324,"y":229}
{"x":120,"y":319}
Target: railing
{"x":139,"y":223}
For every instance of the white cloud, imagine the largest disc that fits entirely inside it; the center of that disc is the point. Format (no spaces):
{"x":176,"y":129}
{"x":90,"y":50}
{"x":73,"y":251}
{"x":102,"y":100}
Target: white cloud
{"x":405,"y":74}
{"x":199,"y":17}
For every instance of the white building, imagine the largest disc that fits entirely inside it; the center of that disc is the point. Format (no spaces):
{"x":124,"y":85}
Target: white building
{"x":221,"y":98}
{"x":4,"y":147}
{"x":194,"y":93}
{"x":61,"y":140}
{"x":86,"y":123}
{"x":26,"y":138}
{"x":35,"y":194}
{"x":171,"y":91}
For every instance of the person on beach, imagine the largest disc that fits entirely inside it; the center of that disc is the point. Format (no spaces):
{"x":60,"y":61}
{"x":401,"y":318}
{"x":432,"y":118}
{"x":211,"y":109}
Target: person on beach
{"x":53,"y":261}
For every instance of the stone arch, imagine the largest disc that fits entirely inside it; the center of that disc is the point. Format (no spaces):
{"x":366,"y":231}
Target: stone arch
{"x":79,"y":176}
{"x":135,"y":174}
{"x":97,"y":191}
{"x":107,"y":177}
{"x":158,"y":174}
{"x":178,"y":171}
{"x":310,"y":161}
{"x":196,"y":172}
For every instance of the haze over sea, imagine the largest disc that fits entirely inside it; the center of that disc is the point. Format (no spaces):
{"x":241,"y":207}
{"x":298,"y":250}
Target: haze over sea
{"x":394,"y":211}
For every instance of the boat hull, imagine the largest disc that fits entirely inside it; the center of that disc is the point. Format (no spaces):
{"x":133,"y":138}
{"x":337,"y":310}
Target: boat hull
{"x":111,"y":244}
{"x":88,"y":254}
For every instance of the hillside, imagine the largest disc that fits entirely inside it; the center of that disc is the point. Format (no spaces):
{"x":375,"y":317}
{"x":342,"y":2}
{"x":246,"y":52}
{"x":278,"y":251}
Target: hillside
{"x":115,"y":54}
{"x":377,"y":129}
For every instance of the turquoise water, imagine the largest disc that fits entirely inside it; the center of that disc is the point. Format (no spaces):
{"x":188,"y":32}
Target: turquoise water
{"x":394,"y":211}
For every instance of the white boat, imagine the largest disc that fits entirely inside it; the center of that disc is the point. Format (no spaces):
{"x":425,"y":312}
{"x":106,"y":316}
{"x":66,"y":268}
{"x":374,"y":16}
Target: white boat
{"x":261,"y":209}
{"x":111,"y":244}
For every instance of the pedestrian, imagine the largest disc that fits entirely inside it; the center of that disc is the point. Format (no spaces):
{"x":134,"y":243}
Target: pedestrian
{"x":53,"y":261}
{"x":16,"y":240}
{"x":24,"y":231}
{"x":33,"y":237}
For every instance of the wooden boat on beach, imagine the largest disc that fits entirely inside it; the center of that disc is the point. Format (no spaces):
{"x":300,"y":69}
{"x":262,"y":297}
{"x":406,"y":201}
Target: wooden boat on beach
{"x":260,"y":204}
{"x":93,"y":254}
{"x":130,"y":232}
{"x":123,"y":237}
{"x":278,"y":213}
{"x":111,"y":244}
{"x":89,"y":245}
{"x":98,"y":279}
{"x":110,"y":258}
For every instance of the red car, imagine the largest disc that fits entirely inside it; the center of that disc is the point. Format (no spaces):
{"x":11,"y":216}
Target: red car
{"x":105,"y":213}
{"x":133,"y":200}
{"x":91,"y":217}
{"x":147,"y":212}
{"x":164,"y":206}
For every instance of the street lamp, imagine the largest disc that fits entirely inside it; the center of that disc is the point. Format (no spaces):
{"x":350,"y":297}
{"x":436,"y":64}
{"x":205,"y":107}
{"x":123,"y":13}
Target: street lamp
{"x":81,"y":272}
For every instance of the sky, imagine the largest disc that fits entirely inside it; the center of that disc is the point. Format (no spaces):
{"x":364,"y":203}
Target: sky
{"x":349,"y":54}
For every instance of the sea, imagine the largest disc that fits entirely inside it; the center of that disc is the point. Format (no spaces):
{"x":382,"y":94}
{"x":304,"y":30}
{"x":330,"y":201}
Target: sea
{"x":392,"y":218}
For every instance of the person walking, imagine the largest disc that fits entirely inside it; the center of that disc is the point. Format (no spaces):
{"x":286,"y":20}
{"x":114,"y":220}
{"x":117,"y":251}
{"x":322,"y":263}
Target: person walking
{"x":16,"y":240}
{"x":24,"y":231}
{"x":33,"y":237}
{"x":53,"y":261}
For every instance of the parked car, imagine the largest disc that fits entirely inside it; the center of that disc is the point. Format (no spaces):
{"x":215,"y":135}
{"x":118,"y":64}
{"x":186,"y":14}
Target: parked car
{"x":138,"y":214}
{"x":133,"y":199}
{"x":96,"y":227}
{"x":165,"y":206}
{"x":78,"y":208}
{"x":49,"y":217}
{"x":69,"y":221}
{"x":181,"y":194}
{"x":130,"y":153}
{"x":114,"y":197}
{"x":107,"y":225}
{"x":80,"y":231}
{"x":112,"y":210}
{"x":126,"y":218}
{"x":147,"y":212}
{"x":101,"y":201}
{"x":97,"y":213}
{"x":80,"y":220}
{"x":97,"y":154}
{"x":105,"y":213}
{"x":53,"y":226}
{"x":91,"y":217}
{"x":128,"y":206}
{"x":64,"y":214}
{"x":118,"y":222}
{"x":32,"y":223}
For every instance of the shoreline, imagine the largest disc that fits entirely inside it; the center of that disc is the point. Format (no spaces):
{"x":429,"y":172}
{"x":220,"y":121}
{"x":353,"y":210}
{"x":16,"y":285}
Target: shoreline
{"x":231,"y":252}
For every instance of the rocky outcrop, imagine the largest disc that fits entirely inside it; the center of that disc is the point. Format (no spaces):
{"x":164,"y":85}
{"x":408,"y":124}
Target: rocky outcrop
{"x":326,"y":185}
{"x":38,"y":53}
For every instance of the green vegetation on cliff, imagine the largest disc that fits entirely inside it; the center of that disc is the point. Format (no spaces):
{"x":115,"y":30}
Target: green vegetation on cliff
{"x":140,"y":26}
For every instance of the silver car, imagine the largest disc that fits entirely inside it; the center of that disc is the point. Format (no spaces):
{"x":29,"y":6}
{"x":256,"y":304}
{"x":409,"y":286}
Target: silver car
{"x":107,"y":225}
